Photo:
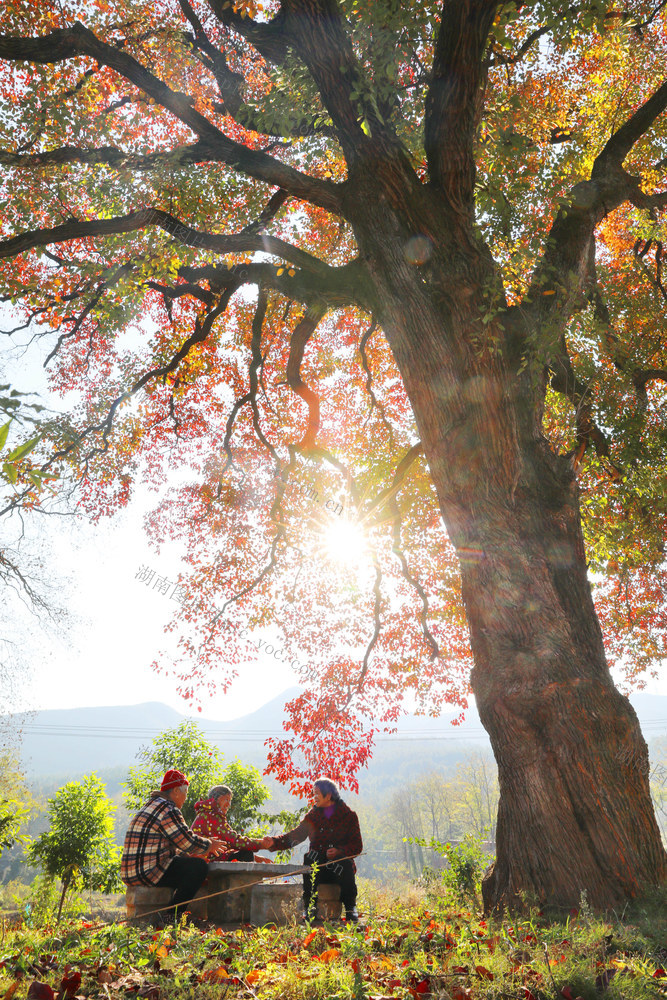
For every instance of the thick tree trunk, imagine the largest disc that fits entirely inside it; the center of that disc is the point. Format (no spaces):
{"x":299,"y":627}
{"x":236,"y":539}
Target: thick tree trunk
{"x":575,"y":811}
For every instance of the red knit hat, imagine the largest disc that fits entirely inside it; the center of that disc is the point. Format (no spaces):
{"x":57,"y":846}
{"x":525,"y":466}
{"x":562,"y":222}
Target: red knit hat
{"x":173,"y":779}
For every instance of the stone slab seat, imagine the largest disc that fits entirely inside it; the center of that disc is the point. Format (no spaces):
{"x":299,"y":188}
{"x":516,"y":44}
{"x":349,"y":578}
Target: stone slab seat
{"x":329,"y":906}
{"x":242,"y":901}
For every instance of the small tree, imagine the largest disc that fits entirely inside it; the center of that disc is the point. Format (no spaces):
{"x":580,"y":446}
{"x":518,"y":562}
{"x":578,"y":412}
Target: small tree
{"x":16,"y":802}
{"x":79,"y":848}
{"x":186,"y":748}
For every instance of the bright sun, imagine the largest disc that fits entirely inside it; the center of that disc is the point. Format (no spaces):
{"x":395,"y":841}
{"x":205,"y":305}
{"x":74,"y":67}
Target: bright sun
{"x":345,"y":543}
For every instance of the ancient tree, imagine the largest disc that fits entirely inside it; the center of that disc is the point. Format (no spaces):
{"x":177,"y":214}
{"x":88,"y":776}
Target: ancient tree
{"x":384,"y":284}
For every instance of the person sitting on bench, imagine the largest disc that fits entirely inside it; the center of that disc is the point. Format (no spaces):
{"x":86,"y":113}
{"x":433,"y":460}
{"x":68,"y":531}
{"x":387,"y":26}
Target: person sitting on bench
{"x":333,"y":830}
{"x":159,"y":844}
{"x":211,"y":821}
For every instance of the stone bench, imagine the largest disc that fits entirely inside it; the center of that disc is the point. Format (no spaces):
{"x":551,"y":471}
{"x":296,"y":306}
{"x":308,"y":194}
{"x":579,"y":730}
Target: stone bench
{"x":243,"y":900}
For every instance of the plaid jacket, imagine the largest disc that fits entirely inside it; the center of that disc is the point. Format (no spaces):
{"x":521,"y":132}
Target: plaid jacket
{"x":341,"y":830}
{"x":210,"y":822}
{"x":157,"y":833}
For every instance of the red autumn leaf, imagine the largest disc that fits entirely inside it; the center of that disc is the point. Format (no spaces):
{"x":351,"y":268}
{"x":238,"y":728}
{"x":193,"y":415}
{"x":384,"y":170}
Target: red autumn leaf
{"x":659,"y":974}
{"x":528,"y":994}
{"x":421,"y":987}
{"x":460,"y":992}
{"x":483,"y":972}
{"x":460,"y":970}
{"x":70,"y":982}
{"x":40,"y":991}
{"x":355,"y":966}
{"x":149,"y":991}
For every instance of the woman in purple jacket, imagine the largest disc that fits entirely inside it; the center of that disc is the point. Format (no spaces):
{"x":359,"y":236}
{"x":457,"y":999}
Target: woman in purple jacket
{"x":335,"y":838}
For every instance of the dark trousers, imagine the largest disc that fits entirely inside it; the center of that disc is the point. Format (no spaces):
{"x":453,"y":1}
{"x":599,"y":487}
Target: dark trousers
{"x":335,"y":873}
{"x":186,"y":876}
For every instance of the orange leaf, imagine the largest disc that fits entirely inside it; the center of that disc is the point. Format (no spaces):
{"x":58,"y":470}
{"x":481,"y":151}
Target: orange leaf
{"x":328,"y":956}
{"x":213,"y":975}
{"x":252,"y":977}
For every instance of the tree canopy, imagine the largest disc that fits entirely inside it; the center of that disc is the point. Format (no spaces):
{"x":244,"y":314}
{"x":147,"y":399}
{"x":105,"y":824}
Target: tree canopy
{"x":185,"y":748}
{"x":387,"y":280}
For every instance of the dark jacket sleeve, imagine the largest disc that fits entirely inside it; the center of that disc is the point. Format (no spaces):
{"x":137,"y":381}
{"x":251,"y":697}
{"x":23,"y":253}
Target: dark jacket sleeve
{"x":350,"y":836}
{"x":295,"y":836}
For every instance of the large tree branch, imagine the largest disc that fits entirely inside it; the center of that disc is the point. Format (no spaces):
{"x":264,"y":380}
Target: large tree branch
{"x":453,"y":100}
{"x":110,"y":155}
{"x":621,"y":142}
{"x":246,"y":242}
{"x":229,"y":83}
{"x":565,"y":267}
{"x":316,"y":32}
{"x":300,"y":337}
{"x":270,"y":38}
{"x":68,"y":43}
{"x":336,"y":286}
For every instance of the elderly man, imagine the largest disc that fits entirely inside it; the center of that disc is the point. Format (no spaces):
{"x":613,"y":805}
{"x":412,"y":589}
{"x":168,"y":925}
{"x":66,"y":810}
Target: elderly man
{"x":333,"y":830}
{"x":211,"y":821}
{"x":159,"y":844}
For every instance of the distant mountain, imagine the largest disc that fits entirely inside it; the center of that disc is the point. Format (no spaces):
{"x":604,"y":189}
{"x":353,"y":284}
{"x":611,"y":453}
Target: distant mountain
{"x":63,"y":744}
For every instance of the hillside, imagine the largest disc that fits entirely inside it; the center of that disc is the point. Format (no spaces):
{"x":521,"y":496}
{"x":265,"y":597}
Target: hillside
{"x":63,"y":744}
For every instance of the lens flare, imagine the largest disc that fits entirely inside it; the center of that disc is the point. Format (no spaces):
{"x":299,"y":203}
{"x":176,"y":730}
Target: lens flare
{"x":345,"y":543}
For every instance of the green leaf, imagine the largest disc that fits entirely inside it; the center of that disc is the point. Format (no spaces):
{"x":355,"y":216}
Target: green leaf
{"x":10,"y":472}
{"x":23,"y":449}
{"x":4,"y":431}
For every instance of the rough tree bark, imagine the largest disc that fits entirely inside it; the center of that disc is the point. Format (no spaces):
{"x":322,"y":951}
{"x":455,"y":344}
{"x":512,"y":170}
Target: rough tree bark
{"x":575,"y":809}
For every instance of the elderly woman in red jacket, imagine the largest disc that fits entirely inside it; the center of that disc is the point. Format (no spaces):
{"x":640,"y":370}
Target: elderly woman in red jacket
{"x":333,"y":831}
{"x":211,"y":821}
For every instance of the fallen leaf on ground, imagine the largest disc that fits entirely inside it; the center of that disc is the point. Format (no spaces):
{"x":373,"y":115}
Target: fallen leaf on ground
{"x":40,"y":991}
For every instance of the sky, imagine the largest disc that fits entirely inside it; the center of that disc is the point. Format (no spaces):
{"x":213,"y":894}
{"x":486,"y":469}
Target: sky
{"x":103,"y":655}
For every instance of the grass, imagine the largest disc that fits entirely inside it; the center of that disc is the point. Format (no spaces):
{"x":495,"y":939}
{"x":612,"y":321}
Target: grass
{"x":414,"y":944}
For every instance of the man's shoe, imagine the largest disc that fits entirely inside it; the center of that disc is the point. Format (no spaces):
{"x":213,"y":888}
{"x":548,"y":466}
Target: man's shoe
{"x":351,"y":915}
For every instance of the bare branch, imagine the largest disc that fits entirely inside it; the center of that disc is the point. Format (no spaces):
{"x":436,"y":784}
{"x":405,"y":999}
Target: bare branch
{"x":245,"y":242}
{"x":375,"y":404}
{"x":407,"y":575}
{"x":300,"y":337}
